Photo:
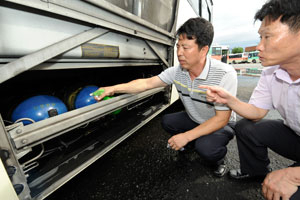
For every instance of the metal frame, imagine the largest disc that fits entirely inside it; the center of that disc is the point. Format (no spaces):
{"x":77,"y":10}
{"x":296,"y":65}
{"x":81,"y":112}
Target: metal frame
{"x":19,"y":177}
{"x":158,"y":54}
{"x":76,"y":171}
{"x":82,"y":63}
{"x":6,"y":185}
{"x":27,"y":62}
{"x":39,"y":132}
{"x":84,"y":12}
{"x":114,"y":9}
{"x":89,"y":14}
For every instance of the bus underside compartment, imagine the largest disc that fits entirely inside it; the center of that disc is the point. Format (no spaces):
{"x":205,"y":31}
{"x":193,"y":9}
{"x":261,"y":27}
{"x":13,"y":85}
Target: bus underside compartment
{"x":76,"y":149}
{"x":65,"y":84}
{"x":53,"y":150}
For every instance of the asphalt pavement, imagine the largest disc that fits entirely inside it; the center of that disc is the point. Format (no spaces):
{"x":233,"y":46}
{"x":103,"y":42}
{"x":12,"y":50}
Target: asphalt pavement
{"x":141,"y":167}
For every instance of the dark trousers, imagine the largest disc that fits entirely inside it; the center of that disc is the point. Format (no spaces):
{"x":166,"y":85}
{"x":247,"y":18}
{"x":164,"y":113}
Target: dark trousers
{"x":253,"y":139}
{"x":211,"y":147}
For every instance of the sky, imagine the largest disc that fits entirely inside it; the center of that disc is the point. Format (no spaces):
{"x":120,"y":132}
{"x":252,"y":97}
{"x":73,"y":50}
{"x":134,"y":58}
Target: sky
{"x":233,"y":22}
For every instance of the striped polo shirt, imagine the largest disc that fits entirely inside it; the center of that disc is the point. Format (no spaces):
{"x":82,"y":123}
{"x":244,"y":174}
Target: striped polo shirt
{"x":193,"y":98}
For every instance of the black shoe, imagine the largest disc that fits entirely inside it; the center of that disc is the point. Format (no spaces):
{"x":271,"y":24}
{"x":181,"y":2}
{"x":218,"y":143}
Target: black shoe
{"x":220,"y":170}
{"x":238,"y":175}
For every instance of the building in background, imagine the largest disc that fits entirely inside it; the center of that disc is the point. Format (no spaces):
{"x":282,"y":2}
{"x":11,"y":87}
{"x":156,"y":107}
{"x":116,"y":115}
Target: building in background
{"x":251,"y":48}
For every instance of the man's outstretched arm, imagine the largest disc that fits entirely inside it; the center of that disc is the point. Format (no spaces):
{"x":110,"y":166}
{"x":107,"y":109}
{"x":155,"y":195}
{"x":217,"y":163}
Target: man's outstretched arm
{"x":135,"y":86}
{"x":219,"y":95}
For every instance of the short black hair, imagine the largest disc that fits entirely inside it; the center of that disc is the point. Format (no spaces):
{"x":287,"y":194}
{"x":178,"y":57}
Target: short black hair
{"x":198,"y":28}
{"x":288,"y":10}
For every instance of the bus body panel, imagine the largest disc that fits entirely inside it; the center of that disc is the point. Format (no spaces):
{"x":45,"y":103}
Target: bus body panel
{"x":238,"y":58}
{"x":253,"y":57}
{"x":219,"y":52}
{"x":59,"y":49}
{"x":6,"y":189}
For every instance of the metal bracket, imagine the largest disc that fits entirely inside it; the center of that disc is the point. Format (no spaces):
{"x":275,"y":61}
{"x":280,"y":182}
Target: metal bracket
{"x":19,"y":177}
{"x":157,"y":53}
{"x":14,"y":129}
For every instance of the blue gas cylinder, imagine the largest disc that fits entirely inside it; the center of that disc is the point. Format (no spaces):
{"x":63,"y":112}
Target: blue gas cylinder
{"x":84,"y":98}
{"x":38,"y":108}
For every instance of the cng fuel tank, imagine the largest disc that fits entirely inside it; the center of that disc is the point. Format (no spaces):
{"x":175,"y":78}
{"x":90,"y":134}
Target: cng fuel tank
{"x":37,"y":108}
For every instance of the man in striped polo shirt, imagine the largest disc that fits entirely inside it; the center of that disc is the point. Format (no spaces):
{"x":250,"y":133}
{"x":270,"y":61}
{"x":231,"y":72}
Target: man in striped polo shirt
{"x":204,"y":125}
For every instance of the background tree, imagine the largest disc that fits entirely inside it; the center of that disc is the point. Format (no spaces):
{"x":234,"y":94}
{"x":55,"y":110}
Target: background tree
{"x":237,"y":50}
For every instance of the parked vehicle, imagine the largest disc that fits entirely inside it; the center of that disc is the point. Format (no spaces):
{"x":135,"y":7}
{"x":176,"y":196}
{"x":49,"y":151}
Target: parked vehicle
{"x":219,"y":52}
{"x":238,"y":58}
{"x":253,"y":57}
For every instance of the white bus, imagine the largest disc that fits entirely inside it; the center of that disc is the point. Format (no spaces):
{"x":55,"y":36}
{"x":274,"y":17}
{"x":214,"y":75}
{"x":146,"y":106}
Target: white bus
{"x":53,"y":51}
{"x":238,"y":58}
{"x":253,"y":57}
{"x":219,"y":52}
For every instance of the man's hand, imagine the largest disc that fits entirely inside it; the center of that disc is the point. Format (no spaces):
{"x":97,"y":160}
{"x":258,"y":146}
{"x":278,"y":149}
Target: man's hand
{"x":178,"y":141}
{"x":216,"y":94}
{"x":280,"y":183}
{"x":107,"y":91}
